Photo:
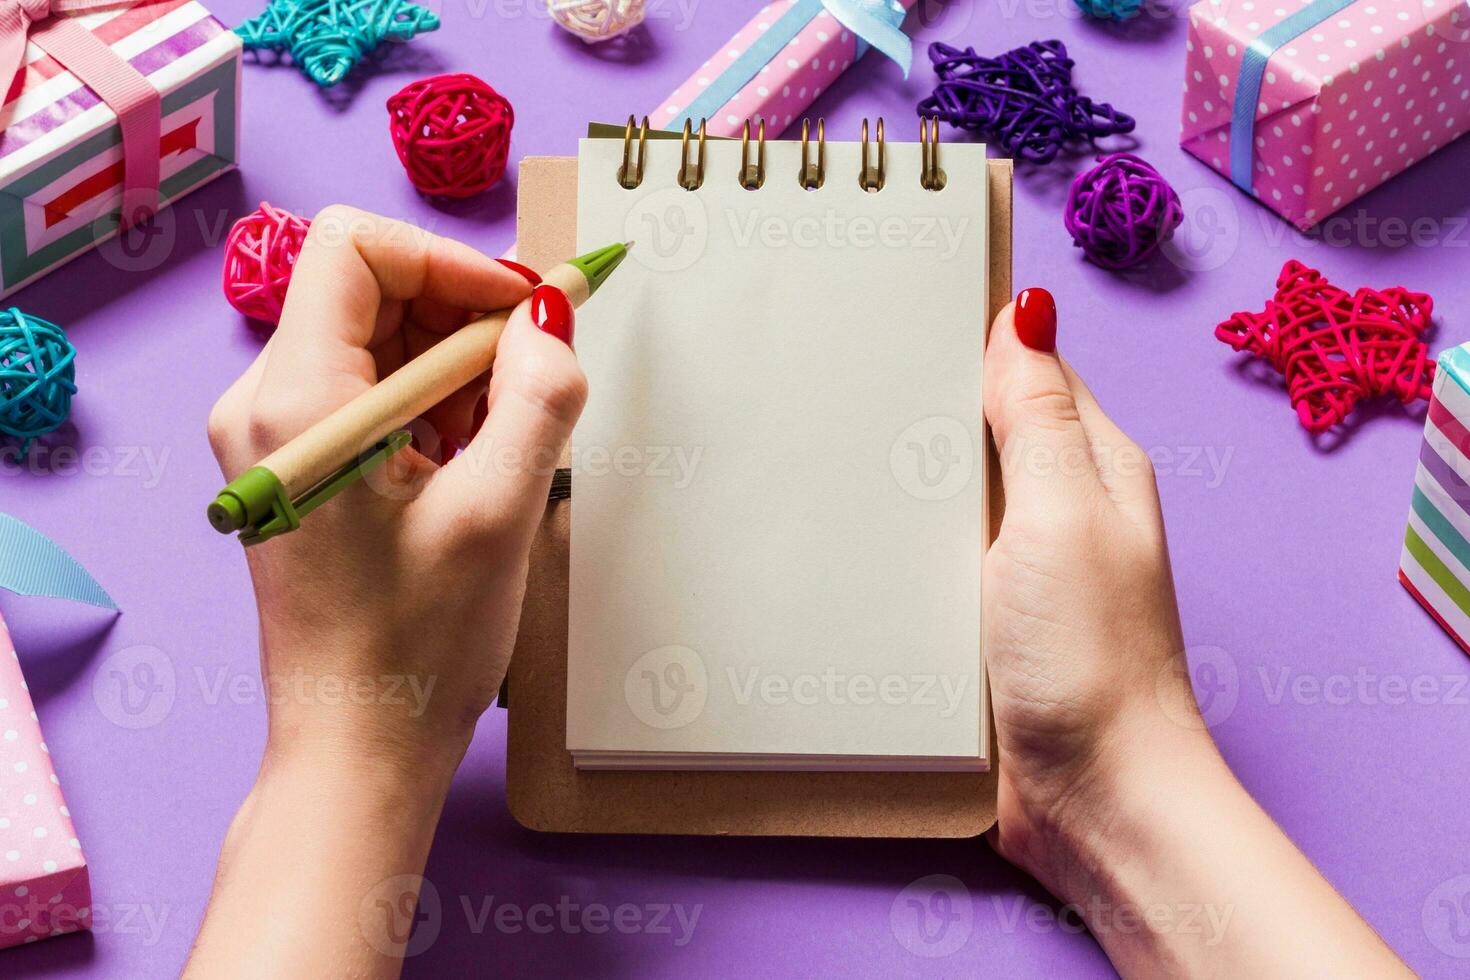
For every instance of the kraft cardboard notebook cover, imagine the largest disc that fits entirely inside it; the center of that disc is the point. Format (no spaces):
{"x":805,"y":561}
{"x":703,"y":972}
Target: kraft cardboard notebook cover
{"x":547,"y":792}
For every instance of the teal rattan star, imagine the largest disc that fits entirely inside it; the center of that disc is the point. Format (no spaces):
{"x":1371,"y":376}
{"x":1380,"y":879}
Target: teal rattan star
{"x":327,"y":38}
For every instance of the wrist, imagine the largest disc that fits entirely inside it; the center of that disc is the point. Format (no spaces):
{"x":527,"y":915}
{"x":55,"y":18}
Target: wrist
{"x":1142,"y":777}
{"x":362,"y":749}
{"x":359,"y":789}
{"x":347,"y":711}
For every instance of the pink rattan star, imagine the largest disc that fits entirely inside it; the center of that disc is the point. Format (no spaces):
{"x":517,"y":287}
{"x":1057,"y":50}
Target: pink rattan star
{"x":1336,"y":348}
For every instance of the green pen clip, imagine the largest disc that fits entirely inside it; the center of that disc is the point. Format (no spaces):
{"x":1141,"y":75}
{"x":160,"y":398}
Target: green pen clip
{"x":256,"y":505}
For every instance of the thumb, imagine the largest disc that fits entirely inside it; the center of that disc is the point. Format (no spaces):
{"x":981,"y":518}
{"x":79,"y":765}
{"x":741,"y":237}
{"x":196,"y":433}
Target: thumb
{"x":537,"y":391}
{"x":1030,"y":404}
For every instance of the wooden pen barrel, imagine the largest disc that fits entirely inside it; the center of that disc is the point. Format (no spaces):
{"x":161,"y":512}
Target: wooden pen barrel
{"x":402,"y":396}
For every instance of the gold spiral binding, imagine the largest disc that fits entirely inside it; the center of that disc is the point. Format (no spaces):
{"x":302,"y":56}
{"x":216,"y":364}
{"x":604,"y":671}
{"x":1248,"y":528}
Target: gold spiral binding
{"x":627,"y":178}
{"x":752,"y":176}
{"x":694,"y":181}
{"x":871,"y":179}
{"x":931,"y":175}
{"x":813,"y":175}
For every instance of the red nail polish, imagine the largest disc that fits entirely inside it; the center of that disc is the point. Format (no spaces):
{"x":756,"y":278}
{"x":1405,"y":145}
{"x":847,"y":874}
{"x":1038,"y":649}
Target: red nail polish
{"x":524,"y":271}
{"x":1036,"y":319}
{"x":552,"y":312}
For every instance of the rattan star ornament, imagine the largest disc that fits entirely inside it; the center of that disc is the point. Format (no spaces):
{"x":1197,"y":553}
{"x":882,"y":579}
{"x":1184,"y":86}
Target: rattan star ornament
{"x":1337,"y":348}
{"x":327,"y":38}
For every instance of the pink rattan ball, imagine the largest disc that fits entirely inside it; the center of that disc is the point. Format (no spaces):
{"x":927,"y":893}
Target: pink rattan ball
{"x":260,"y":254}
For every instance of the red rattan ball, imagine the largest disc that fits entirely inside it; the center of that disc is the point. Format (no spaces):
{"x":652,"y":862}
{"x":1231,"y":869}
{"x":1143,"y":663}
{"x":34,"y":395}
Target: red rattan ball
{"x":452,"y":134}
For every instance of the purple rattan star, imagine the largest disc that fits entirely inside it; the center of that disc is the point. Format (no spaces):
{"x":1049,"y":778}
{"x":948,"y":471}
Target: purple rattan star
{"x":1024,"y":99}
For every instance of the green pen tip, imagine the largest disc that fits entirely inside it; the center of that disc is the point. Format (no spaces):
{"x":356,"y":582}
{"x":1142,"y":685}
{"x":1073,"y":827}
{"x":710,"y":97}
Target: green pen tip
{"x":226,"y":514}
{"x":598,"y":265}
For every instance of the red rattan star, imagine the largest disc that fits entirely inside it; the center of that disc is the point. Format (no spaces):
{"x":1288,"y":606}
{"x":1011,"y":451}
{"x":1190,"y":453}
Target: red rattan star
{"x":1334,"y":347}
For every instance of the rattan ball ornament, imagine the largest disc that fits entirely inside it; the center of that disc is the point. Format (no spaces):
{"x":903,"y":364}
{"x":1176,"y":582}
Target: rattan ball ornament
{"x":1121,"y":211}
{"x":595,"y":21}
{"x":1119,"y":10}
{"x":37,"y":376}
{"x":260,"y":255}
{"x":452,"y":134}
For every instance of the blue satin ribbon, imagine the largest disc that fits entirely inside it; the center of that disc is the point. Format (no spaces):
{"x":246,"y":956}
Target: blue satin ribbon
{"x":1248,"y":84}
{"x":875,"y":23}
{"x":33,"y":564}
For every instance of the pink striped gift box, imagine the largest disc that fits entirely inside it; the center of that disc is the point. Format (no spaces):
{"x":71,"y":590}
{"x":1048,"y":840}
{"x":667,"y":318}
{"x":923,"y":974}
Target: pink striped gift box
{"x":61,"y":170}
{"x":1435,"y":565}
{"x":44,"y":886}
{"x":779,"y":89}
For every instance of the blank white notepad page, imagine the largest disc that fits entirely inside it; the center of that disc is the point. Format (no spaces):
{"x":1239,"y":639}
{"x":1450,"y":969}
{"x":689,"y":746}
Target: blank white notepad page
{"x":778,"y":481}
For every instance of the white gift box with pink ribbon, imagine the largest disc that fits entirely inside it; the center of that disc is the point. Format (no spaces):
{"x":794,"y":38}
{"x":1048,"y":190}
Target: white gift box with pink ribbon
{"x":113,"y":110}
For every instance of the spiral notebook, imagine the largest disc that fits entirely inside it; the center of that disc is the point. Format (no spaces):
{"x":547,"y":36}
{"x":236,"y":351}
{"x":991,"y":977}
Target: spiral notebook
{"x":779,"y":486}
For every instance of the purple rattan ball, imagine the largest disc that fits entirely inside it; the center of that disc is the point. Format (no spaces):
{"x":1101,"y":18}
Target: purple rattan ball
{"x":1121,"y":211}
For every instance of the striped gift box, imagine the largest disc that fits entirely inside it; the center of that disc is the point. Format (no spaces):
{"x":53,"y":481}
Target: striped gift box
{"x":1435,"y":566}
{"x":812,"y":50}
{"x":61,"y":166}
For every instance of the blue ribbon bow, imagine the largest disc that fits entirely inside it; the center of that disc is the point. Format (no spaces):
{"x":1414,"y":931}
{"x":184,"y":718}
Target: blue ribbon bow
{"x":875,"y":23}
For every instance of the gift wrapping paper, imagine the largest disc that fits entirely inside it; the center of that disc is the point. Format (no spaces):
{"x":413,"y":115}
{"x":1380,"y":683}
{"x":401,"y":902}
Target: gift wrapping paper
{"x":1435,"y":566}
{"x":44,"y":887}
{"x":782,"y":89}
{"x":61,"y":148}
{"x":1351,"y":92}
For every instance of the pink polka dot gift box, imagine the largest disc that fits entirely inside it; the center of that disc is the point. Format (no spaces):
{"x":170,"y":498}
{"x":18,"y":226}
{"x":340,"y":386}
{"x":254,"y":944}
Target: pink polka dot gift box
{"x":776,"y":66}
{"x":44,"y":888}
{"x":1306,"y":105}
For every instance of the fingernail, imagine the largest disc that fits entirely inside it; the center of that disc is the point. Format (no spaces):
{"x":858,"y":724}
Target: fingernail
{"x":524,"y":271}
{"x":552,"y":312}
{"x":1036,"y":319}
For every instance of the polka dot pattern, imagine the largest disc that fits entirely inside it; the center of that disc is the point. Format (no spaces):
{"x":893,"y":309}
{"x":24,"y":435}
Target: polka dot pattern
{"x":783,"y":89}
{"x":1355,"y":100}
{"x":44,"y":888}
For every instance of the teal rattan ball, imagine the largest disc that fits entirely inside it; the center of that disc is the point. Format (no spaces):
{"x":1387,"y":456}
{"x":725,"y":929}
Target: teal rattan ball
{"x":37,"y":376}
{"x":1118,"y":10}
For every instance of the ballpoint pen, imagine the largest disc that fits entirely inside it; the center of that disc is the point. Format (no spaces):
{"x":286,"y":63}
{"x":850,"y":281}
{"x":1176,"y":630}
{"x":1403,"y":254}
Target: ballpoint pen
{"x":274,"y":495}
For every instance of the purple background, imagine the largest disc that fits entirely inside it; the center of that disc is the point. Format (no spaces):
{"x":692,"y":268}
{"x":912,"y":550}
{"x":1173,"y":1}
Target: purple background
{"x":1285,"y":561}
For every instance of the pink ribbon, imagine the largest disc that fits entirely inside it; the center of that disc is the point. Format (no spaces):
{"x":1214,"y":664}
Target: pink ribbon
{"x":125,"y":90}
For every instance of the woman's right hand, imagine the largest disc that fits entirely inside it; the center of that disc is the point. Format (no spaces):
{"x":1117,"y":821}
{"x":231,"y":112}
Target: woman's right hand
{"x":1112,"y":792}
